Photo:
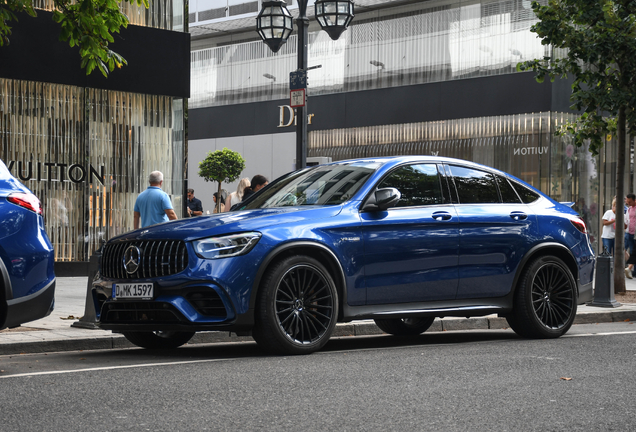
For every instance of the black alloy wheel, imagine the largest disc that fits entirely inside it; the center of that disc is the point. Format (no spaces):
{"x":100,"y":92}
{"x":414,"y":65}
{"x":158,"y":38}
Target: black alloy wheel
{"x":405,"y":326}
{"x":297,"y":307}
{"x":159,"y":339}
{"x":546,"y":301}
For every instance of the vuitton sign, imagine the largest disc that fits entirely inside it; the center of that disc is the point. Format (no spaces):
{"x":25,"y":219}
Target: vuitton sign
{"x":52,"y":171}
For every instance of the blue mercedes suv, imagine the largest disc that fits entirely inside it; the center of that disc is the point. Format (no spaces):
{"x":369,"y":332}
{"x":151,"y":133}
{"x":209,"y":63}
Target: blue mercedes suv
{"x":400,"y":240}
{"x":27,"y":277}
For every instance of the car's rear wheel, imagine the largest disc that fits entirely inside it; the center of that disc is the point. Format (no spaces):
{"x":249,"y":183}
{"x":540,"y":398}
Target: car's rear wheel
{"x":159,"y":339}
{"x":545,"y":301}
{"x":297,"y":307}
{"x":405,"y":326}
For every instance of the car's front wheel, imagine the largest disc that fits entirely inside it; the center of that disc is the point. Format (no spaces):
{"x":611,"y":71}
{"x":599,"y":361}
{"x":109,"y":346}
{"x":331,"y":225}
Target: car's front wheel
{"x":297,"y":307}
{"x":405,"y":326}
{"x":545,"y":301}
{"x":159,"y":339}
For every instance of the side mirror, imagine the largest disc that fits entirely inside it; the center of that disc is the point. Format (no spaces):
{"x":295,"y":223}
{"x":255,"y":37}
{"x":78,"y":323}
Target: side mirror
{"x":382,"y":199}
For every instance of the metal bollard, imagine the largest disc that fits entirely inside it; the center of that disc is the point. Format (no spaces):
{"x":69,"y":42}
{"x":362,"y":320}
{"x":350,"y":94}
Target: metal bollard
{"x":89,"y":320}
{"x":604,"y":282}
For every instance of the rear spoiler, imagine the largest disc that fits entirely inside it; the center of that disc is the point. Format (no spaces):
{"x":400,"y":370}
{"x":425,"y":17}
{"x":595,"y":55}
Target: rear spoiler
{"x":568,"y":203}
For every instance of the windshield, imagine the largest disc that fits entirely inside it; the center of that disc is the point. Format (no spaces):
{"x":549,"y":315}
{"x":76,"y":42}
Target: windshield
{"x":4,"y":171}
{"x":323,"y":185}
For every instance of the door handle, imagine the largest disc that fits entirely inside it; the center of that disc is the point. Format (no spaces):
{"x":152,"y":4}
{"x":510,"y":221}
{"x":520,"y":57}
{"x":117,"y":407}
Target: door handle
{"x":518,"y":215}
{"x":441,"y":215}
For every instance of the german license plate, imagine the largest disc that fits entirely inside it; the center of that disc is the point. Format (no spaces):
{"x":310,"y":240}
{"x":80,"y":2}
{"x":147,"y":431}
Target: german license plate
{"x":144,"y":291}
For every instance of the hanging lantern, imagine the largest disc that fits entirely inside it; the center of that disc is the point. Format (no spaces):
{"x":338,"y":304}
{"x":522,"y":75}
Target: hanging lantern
{"x":274,"y":24}
{"x":334,"y":16}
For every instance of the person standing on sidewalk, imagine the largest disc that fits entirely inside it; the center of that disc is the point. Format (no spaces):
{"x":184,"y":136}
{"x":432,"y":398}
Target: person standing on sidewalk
{"x":195,"y":208}
{"x":153,"y":205}
{"x":630,"y":218}
{"x":237,"y":196}
{"x":609,"y":231}
{"x":258,"y":182}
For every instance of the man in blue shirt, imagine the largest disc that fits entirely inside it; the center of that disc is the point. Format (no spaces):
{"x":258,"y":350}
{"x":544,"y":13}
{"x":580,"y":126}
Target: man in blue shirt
{"x":153,"y":205}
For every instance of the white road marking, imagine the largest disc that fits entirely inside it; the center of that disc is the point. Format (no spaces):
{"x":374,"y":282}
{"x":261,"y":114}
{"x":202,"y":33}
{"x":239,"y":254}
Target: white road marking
{"x":59,"y":372}
{"x":600,"y":334}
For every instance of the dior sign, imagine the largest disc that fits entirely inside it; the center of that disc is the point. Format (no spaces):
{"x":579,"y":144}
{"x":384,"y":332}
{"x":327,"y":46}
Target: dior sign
{"x":287,"y":116}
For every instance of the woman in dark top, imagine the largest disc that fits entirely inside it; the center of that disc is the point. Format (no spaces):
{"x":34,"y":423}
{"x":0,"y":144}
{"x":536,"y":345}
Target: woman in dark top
{"x":258,"y":183}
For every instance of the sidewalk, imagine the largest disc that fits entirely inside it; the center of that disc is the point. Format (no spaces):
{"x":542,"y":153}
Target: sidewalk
{"x":54,"y":333}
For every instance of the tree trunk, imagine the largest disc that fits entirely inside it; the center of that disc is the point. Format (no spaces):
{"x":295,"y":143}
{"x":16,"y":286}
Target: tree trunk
{"x":219,"y":198}
{"x":619,"y":246}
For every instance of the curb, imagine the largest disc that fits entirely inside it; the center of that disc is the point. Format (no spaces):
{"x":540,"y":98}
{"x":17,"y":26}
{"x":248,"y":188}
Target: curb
{"x":351,"y":329}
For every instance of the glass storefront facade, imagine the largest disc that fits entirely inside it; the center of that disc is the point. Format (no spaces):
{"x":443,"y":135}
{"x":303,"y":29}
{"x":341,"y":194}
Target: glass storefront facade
{"x":425,"y":42}
{"x":87,"y":153}
{"x":524,"y":145}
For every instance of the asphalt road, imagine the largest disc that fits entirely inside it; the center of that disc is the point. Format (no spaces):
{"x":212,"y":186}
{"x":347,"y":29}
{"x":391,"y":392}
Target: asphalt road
{"x":460,"y":381}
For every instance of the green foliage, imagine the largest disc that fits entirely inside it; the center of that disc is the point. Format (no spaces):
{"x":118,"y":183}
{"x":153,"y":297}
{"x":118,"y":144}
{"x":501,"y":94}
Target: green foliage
{"x":87,"y":24}
{"x":8,"y":9}
{"x":222,"y":166}
{"x":600,"y":38}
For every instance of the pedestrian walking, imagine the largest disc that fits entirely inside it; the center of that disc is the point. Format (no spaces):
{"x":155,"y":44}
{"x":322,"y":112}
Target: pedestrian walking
{"x":258,"y":182}
{"x":194,"y":205}
{"x":237,"y":196}
{"x":153,"y":205}
{"x":218,"y":209}
{"x":630,"y":220}
{"x":609,"y":228}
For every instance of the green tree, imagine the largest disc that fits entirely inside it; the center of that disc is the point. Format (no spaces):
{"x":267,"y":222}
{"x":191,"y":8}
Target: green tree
{"x":599,"y":38}
{"x":87,"y":24}
{"x":221,"y":166}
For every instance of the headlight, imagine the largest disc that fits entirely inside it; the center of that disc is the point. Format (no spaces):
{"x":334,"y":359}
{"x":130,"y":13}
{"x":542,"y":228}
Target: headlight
{"x":226,"y":246}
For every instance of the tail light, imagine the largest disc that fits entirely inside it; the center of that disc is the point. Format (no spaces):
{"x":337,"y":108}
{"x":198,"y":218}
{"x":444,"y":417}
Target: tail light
{"x":579,"y":224}
{"x":28,"y":201}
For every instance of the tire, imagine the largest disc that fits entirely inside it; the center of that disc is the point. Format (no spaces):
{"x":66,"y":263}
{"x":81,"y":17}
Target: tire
{"x":545,"y":301}
{"x":159,"y":339}
{"x":296,"y":308}
{"x":405,"y":326}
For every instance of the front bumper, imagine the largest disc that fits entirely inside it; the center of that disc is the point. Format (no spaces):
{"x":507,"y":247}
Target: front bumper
{"x":191,"y":306}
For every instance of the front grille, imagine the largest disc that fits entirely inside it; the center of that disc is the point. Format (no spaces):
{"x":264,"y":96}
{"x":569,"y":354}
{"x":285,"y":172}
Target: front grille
{"x":207,"y":303}
{"x":158,"y":258}
{"x":126,"y":312}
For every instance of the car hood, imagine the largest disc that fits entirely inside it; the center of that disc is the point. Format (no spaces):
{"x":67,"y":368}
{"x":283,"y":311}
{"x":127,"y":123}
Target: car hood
{"x":247,"y":220}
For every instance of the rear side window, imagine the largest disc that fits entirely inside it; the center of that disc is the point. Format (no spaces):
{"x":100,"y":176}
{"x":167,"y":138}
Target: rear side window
{"x":419,"y":185}
{"x":508,"y":194}
{"x":474,"y":186}
{"x":527,"y":195}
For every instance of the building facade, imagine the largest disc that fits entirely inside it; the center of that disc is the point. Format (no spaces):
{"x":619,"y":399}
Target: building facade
{"x":85,"y":145}
{"x":431,"y":77}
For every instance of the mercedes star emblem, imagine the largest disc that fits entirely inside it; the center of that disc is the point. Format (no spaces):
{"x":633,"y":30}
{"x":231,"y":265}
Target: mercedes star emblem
{"x":132,"y":259}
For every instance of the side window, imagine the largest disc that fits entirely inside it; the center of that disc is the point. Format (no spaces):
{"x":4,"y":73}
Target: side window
{"x":508,"y":194}
{"x":418,"y":184}
{"x":474,"y":186}
{"x":527,"y":195}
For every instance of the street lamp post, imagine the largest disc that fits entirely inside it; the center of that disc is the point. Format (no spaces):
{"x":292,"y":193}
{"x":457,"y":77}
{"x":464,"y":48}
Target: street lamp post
{"x":274,"y":25}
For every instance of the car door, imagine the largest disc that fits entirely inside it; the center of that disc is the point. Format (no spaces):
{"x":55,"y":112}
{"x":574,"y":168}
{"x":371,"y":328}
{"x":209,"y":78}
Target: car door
{"x":495,"y":231}
{"x":410,"y":250}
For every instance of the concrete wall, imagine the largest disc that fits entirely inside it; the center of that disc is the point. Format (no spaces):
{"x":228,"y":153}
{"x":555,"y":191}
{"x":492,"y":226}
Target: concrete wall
{"x":269,"y":155}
